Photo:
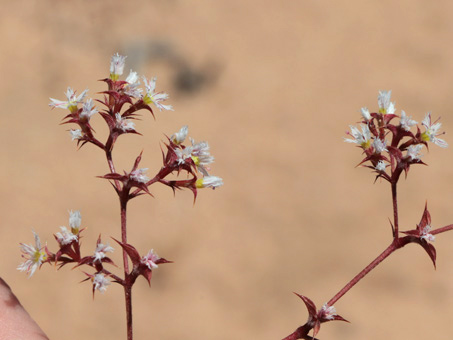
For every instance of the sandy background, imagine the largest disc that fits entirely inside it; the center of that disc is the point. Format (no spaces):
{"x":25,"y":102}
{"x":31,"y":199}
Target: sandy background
{"x":273,"y":86}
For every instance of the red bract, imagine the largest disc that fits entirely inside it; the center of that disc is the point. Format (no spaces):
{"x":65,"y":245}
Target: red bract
{"x":139,"y":263}
{"x":315,"y":319}
{"x":421,"y":235}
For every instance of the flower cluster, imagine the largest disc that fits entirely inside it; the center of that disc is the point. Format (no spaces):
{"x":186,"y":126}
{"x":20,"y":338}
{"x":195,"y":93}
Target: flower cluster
{"x":392,"y":147}
{"x":70,"y":252}
{"x":122,"y":101}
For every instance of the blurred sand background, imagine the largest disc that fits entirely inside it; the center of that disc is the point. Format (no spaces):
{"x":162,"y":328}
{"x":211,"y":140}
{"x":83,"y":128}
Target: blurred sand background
{"x":273,"y":86}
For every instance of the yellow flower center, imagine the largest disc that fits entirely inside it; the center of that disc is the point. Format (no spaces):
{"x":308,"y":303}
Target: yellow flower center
{"x":196,"y":160}
{"x":425,"y":137}
{"x":366,"y":145}
{"x":199,"y":183}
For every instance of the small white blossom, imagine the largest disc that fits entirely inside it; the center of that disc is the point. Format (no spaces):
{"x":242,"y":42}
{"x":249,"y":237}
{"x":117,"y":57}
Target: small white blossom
{"x":75,"y":220}
{"x":139,"y":175}
{"x":124,"y":124}
{"x":88,"y":109}
{"x":65,"y":236}
{"x":380,"y":166}
{"x":432,"y":131}
{"x":150,"y":259}
{"x":365,"y":114}
{"x":379,"y":145}
{"x":72,"y":101}
{"x":385,"y":105}
{"x":76,"y":134}
{"x":101,"y":250}
{"x":426,"y":234}
{"x":156,"y":98}
{"x":180,"y":136}
{"x":413,"y":151}
{"x":328,"y":312}
{"x":360,"y":138}
{"x":34,"y":256}
{"x":100,"y":282}
{"x":406,"y":121}
{"x":117,"y":66}
{"x":209,"y":182}
{"x":131,"y":87}
{"x":183,"y":154}
{"x":200,"y":154}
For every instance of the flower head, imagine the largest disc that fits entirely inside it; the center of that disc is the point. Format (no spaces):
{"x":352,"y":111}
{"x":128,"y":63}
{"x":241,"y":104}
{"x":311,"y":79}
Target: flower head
{"x":131,"y":87}
{"x":432,"y":131}
{"x":425,"y":234}
{"x":385,"y":105}
{"x":180,"y":136}
{"x":65,"y":237}
{"x":76,"y":134}
{"x":88,"y":110}
{"x":72,"y":101}
{"x":124,"y":124}
{"x":75,"y":220}
{"x":380,"y":166}
{"x":406,"y":122}
{"x":117,"y":66}
{"x":209,"y":182}
{"x":365,"y":114}
{"x":413,"y":151}
{"x":360,"y":138}
{"x":327,"y":312}
{"x":139,"y":175}
{"x":100,"y":282}
{"x":379,"y":145}
{"x":150,"y":260}
{"x":200,"y":154}
{"x":101,"y":250}
{"x":156,"y":98}
{"x":34,"y":256}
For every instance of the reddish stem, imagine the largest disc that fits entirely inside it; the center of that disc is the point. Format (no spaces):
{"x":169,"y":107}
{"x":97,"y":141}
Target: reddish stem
{"x":390,"y":249}
{"x":395,"y":211}
{"x":127,"y":284}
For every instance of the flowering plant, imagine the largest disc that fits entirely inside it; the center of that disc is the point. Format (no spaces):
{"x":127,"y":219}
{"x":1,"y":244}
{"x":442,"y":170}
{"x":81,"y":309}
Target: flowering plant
{"x":391,"y":144}
{"x":121,"y":102}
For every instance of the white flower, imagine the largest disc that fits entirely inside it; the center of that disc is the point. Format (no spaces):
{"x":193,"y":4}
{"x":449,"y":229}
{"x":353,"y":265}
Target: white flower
{"x":139,"y":175}
{"x":379,"y":145}
{"x":413,"y":151}
{"x":200,"y":154}
{"x":76,"y":134}
{"x":88,"y":110}
{"x":75,"y":220}
{"x":360,"y":138}
{"x":124,"y":124}
{"x":431,"y":132}
{"x":385,"y":106}
{"x":100,"y":282}
{"x":72,"y":101}
{"x":100,"y":251}
{"x":34,"y":256}
{"x":406,"y":122}
{"x":153,"y":97}
{"x":365,"y":113}
{"x":380,"y":166}
{"x":117,"y":66}
{"x":328,"y":312}
{"x":183,"y":154}
{"x":65,"y":236}
{"x":150,"y":259}
{"x":209,"y":182}
{"x":426,"y":235}
{"x":180,"y":136}
{"x":132,"y":87}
